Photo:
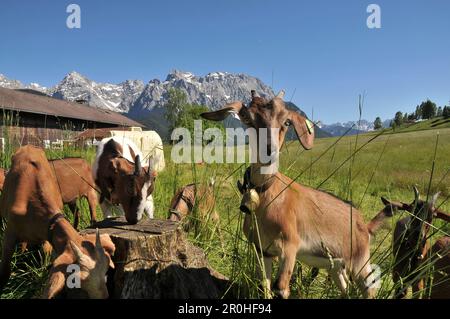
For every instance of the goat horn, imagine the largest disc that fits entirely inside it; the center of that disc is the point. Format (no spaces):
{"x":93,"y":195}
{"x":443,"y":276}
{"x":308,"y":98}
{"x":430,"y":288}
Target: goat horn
{"x":416,"y":194}
{"x":434,"y":198}
{"x":98,"y":243}
{"x":77,"y":251}
{"x":137,"y":165}
{"x":280,"y":94}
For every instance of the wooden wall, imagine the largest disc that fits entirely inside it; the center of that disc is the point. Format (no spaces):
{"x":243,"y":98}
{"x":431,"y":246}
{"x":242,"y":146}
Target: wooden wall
{"x":29,"y":128}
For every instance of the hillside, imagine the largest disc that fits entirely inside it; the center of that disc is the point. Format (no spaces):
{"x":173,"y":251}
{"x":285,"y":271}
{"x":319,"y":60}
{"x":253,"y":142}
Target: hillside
{"x":432,"y":124}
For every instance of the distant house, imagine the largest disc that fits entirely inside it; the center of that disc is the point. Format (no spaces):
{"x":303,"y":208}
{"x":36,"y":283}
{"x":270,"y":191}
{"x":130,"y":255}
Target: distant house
{"x":30,"y":117}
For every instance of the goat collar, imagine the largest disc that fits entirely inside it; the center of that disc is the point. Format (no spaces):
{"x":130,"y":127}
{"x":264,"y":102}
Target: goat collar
{"x":249,"y":185}
{"x":262,"y":188}
{"x":185,"y":199}
{"x":176,"y":213}
{"x":51,"y":225}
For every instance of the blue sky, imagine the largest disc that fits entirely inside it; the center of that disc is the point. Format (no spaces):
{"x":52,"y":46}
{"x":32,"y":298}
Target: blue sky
{"x":322,"y":50}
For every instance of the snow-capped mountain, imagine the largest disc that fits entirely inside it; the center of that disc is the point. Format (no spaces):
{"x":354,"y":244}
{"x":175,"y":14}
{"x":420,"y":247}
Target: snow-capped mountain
{"x":348,"y":128}
{"x":15,"y":84}
{"x":114,"y":97}
{"x":214,"y":90}
{"x":145,"y":103}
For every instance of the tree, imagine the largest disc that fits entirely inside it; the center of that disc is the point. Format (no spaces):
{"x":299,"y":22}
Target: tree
{"x":398,"y":119}
{"x":418,"y":113}
{"x":190,"y":113}
{"x":411,"y":117}
{"x":429,"y":109}
{"x":446,"y":112}
{"x":439,"y":111}
{"x":393,"y":125}
{"x":176,"y":102}
{"x":377,"y":124}
{"x":405,"y":118}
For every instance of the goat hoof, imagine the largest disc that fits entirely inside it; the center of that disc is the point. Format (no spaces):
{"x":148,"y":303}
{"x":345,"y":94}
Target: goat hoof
{"x":281,"y":294}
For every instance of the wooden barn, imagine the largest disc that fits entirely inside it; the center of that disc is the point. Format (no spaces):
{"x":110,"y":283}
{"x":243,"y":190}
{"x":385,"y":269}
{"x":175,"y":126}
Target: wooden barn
{"x":30,"y":117}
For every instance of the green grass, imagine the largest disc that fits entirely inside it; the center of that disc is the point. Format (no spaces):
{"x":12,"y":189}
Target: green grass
{"x":387,"y":166}
{"x":436,"y":123}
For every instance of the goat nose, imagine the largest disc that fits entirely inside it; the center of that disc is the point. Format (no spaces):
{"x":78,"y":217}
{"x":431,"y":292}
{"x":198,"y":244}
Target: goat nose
{"x":132,"y":220}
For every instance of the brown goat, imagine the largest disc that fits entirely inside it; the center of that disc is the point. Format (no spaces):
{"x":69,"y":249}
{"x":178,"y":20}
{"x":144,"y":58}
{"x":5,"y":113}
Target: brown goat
{"x":122,"y":180}
{"x":31,"y":203}
{"x":74,"y":178}
{"x":187,"y":197}
{"x":411,"y":246}
{"x":295,"y":221}
{"x":203,"y":199}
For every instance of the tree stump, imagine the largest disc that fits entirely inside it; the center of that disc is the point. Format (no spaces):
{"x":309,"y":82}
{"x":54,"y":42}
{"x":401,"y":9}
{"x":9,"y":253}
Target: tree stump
{"x":153,"y":259}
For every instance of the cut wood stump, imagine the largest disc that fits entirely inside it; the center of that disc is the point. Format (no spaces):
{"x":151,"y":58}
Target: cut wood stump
{"x":153,"y":259}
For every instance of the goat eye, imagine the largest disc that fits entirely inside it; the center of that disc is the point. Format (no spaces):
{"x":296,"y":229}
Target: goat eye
{"x":288,"y":123}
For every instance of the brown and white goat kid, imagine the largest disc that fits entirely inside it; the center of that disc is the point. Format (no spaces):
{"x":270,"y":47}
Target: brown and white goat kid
{"x":122,"y":180}
{"x":299,"y":222}
{"x":32,"y":205}
{"x":411,"y":248}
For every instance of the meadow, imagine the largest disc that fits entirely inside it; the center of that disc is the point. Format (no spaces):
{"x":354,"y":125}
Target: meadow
{"x":357,"y":168}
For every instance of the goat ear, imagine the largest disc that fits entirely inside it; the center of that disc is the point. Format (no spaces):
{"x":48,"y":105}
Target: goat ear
{"x":442,"y":215}
{"x":55,"y":285}
{"x":394,"y":204}
{"x":304,"y":130}
{"x":235,"y":108}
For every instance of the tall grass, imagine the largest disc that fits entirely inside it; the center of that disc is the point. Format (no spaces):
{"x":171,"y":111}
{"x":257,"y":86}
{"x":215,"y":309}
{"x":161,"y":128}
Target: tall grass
{"x":385,"y":166}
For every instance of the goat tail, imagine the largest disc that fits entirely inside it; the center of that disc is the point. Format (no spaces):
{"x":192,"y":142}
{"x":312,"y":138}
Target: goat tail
{"x":378,"y":221}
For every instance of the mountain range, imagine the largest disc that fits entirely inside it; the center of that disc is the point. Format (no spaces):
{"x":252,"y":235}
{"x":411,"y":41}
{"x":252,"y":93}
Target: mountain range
{"x":145,"y":102}
{"x":350,"y":127}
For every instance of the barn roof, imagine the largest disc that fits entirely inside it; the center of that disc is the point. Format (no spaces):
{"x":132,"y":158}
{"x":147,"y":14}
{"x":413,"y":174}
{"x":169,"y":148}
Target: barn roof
{"x":42,"y":104}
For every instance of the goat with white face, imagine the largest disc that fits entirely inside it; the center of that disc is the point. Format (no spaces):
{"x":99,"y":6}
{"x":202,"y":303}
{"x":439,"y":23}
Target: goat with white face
{"x":122,"y":180}
{"x":295,"y":221}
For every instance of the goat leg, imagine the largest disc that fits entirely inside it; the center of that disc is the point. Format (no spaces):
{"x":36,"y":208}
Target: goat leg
{"x":287,"y":263}
{"x":9,"y":243}
{"x":92,"y":200}
{"x":75,"y":212}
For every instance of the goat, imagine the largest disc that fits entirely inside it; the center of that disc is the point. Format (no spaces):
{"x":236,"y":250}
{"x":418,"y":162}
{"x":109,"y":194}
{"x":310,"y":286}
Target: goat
{"x":411,"y":246}
{"x":74,"y":178}
{"x":122,"y":180}
{"x":200,"y":196}
{"x":187,"y":197}
{"x":295,"y":221}
{"x":31,"y":203}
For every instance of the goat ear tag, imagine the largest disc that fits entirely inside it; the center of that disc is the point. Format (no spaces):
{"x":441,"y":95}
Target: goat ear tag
{"x":309,"y":126}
